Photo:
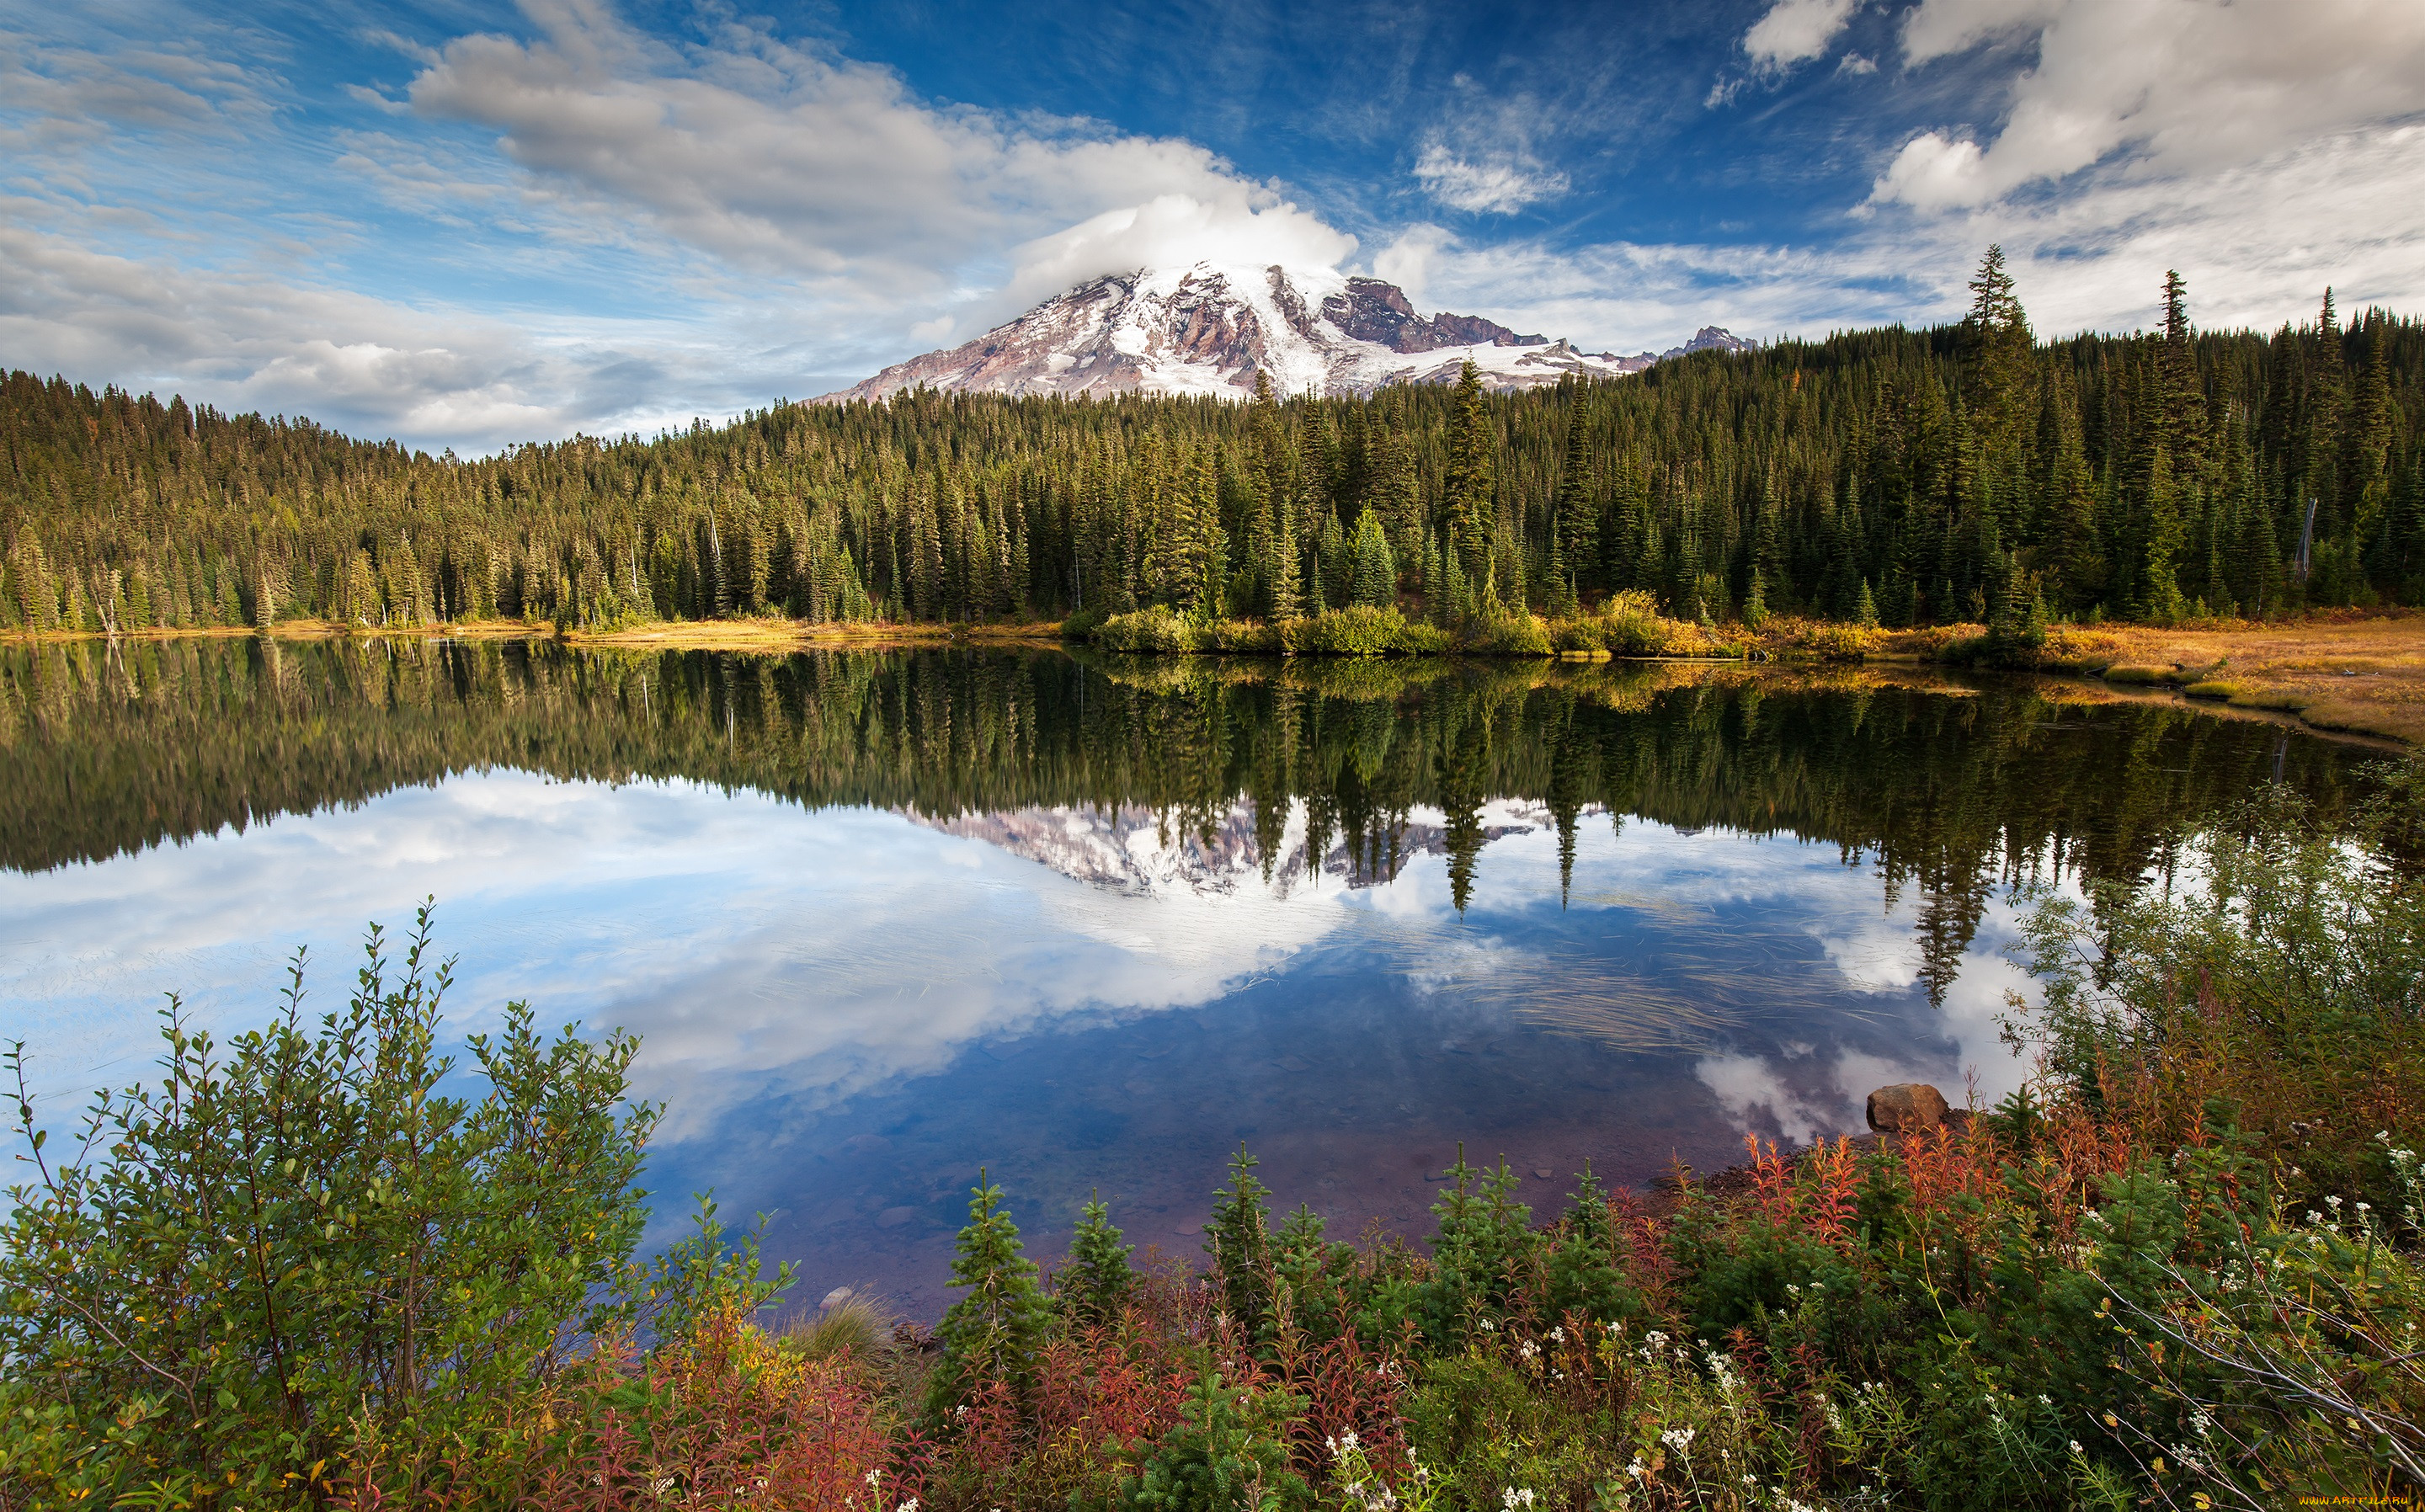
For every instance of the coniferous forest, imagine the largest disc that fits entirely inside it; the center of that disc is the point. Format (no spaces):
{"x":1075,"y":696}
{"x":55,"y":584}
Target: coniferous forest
{"x":1889,"y":475}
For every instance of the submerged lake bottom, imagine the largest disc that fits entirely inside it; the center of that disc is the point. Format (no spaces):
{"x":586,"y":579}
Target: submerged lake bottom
{"x":885,"y":918}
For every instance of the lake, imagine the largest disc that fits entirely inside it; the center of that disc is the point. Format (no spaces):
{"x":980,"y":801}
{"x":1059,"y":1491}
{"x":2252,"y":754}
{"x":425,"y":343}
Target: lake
{"x":884,"y":917}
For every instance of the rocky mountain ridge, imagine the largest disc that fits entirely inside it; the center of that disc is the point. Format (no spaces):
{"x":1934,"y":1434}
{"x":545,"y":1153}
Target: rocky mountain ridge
{"x":1210,"y":330}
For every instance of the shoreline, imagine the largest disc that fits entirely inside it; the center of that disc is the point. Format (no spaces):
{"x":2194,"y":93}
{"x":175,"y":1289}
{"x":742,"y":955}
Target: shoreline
{"x":2350,"y":677}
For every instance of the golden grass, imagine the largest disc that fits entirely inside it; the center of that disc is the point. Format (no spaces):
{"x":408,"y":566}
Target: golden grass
{"x":2349,"y":674}
{"x":855,"y":1323}
{"x":782,"y":634}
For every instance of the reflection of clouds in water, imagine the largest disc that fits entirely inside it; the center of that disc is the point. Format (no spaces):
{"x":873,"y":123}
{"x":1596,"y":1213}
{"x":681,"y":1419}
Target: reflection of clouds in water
{"x":1807,"y":1101}
{"x":1676,"y":879}
{"x":764,"y":952}
{"x":756,"y":947}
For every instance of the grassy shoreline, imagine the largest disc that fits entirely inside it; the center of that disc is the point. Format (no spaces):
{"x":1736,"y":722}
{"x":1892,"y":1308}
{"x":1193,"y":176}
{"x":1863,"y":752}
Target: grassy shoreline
{"x":2346,"y":675}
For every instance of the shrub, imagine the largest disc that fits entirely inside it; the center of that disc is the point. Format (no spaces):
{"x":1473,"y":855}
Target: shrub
{"x":725,"y":1412}
{"x":1158,"y":629}
{"x":1246,"y":637}
{"x":1508,"y":633}
{"x":298,"y":1253}
{"x":1839,"y":642}
{"x":1360,"y":630}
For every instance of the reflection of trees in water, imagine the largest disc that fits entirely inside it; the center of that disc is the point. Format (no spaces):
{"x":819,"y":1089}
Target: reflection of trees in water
{"x":1947,"y":792}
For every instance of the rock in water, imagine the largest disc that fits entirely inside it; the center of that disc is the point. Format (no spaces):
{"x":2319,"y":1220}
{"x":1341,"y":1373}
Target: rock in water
{"x":1906,"y":1107}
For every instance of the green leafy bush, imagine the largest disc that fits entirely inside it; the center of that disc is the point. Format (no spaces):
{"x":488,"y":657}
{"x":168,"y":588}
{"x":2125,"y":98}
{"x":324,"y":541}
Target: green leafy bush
{"x":1362,"y":630}
{"x":1155,"y":630}
{"x":294,"y":1247}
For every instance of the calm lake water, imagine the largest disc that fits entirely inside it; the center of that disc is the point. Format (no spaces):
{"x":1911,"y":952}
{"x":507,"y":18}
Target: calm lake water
{"x":884,"y":917}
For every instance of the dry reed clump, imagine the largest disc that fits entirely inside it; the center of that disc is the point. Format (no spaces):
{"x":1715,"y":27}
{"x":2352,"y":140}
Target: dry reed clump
{"x":852,"y":1324}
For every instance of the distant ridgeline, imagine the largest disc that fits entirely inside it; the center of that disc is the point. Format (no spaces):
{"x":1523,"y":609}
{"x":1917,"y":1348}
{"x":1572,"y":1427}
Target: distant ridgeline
{"x":1942,"y":471}
{"x":1947,"y":794}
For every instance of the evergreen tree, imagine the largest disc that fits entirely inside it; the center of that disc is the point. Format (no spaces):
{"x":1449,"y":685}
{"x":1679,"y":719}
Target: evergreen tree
{"x":1471,"y":504}
{"x":1998,"y":354}
{"x":1238,"y":1241}
{"x":991,"y":1334}
{"x":1375,"y":572}
{"x":1095,"y":1286}
{"x":1576,"y":533}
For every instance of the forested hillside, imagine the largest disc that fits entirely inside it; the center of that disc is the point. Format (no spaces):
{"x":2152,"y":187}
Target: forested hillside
{"x":1909,"y":476}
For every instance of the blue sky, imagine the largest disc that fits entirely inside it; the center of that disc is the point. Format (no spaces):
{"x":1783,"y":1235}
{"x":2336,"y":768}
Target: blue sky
{"x":470,"y":224}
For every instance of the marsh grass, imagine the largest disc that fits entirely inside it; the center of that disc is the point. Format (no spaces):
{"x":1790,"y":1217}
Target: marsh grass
{"x":854,"y":1325}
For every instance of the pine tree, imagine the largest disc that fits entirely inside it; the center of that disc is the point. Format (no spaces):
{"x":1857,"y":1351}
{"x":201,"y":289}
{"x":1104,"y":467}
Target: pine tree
{"x":2181,"y":416}
{"x":1997,"y":354}
{"x":1471,"y":504}
{"x":1575,"y":535}
{"x":1095,"y":1286}
{"x":2159,"y":594}
{"x":1375,"y":575}
{"x":991,"y":1334}
{"x":1238,"y":1241}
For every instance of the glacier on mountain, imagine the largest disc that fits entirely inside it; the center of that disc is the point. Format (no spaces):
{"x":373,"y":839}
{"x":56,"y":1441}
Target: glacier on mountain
{"x":1210,"y":330}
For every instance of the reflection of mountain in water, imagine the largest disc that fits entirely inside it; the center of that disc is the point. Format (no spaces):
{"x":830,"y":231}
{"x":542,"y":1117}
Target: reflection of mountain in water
{"x":1131,"y":849}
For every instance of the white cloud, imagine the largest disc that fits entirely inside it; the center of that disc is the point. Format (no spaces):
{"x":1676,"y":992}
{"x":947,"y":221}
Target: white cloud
{"x":1626,"y":296}
{"x":2175,"y":86}
{"x":248,"y":338}
{"x":1499,"y":186}
{"x":698,"y":228}
{"x":2258,"y":242}
{"x":79,"y":93}
{"x":1240,"y":226}
{"x":1797,"y":31}
{"x":794,"y":161}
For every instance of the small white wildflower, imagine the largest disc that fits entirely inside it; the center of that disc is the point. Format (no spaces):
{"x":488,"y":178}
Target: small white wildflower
{"x":1680,"y":1439}
{"x":910,"y":1506}
{"x":2334,"y":1203}
{"x":1557,"y":1335}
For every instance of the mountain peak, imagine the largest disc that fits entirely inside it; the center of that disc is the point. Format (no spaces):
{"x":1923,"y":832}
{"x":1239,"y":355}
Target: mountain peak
{"x":1209,"y":328}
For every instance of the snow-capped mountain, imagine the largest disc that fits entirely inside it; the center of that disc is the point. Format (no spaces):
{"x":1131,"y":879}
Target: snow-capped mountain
{"x":1210,"y":330}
